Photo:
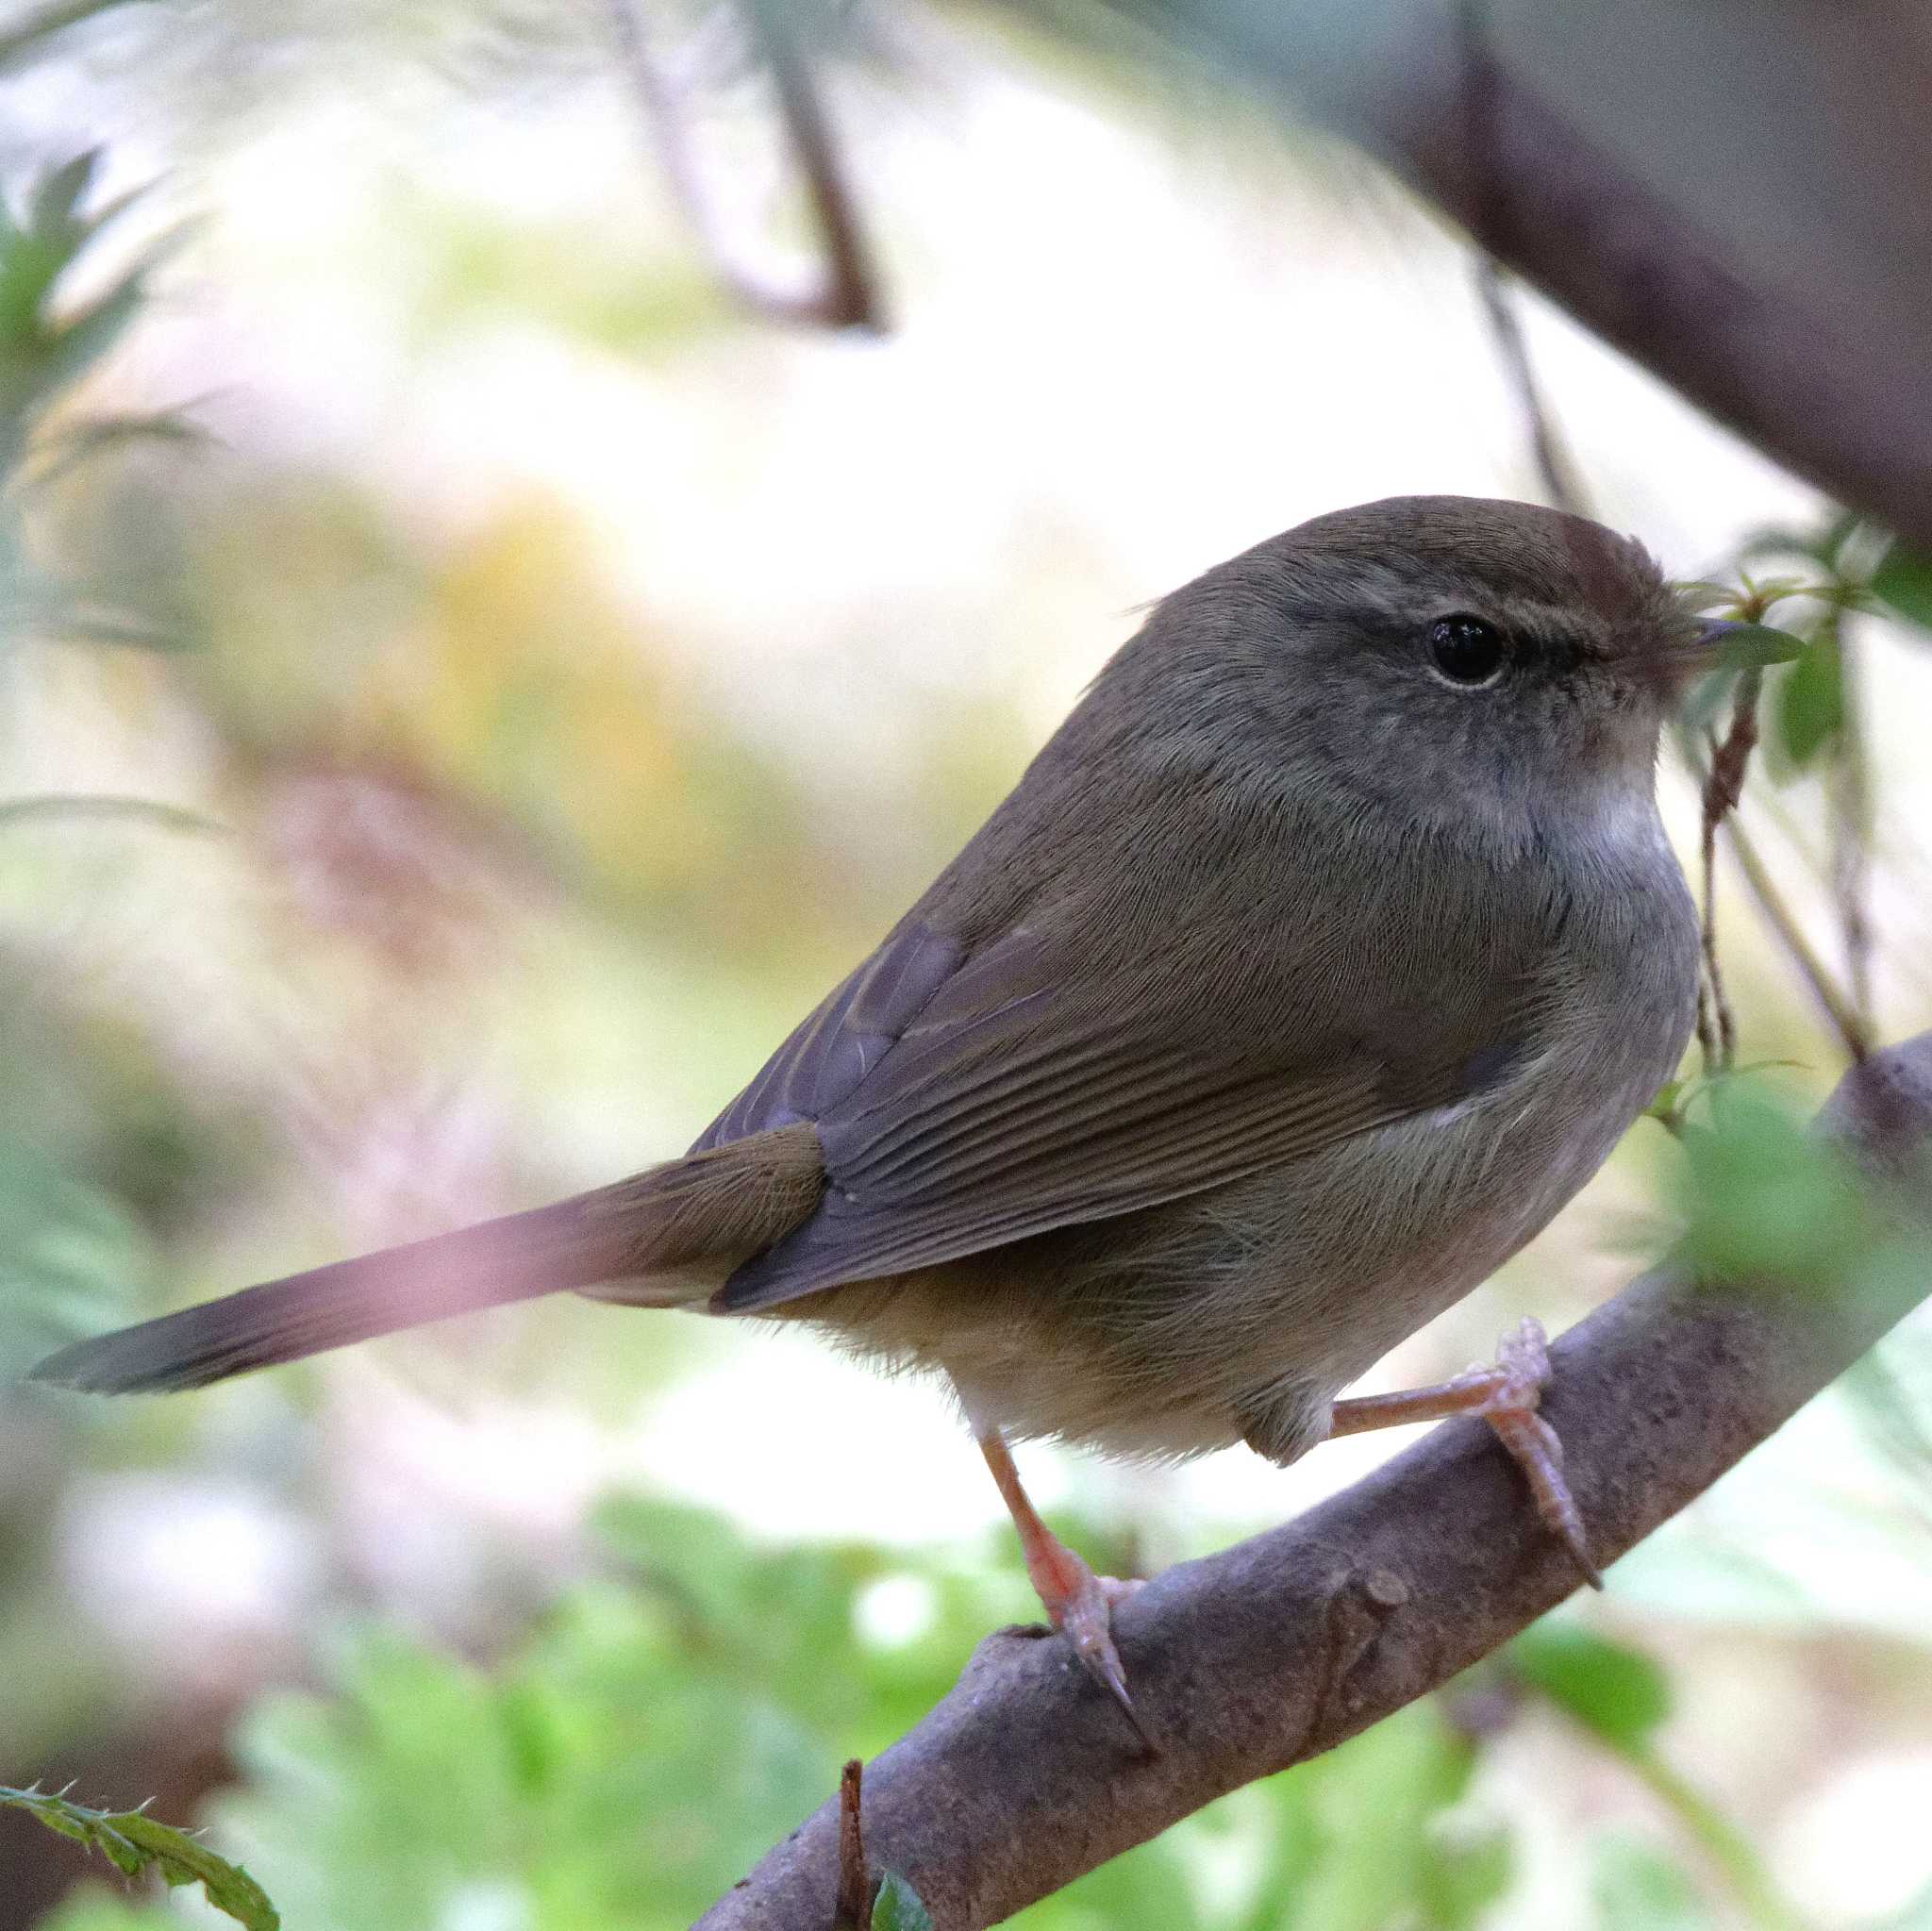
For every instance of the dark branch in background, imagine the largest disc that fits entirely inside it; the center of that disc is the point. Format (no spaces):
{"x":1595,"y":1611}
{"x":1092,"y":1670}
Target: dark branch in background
{"x":1721,"y":790}
{"x":848,"y":296}
{"x":1025,"y":1778}
{"x":1730,"y":333}
{"x":1774,"y":293}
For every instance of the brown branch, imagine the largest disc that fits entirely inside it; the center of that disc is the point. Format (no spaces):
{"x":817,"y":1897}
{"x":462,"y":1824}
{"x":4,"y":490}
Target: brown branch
{"x":1024,"y":1777}
{"x":853,"y":1912}
{"x":849,"y":295}
{"x":1717,"y":1029}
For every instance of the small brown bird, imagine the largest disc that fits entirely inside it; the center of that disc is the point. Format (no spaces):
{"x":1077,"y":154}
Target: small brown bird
{"x":1319,"y":959}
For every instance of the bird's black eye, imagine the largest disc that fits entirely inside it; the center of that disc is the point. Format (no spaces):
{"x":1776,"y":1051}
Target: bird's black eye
{"x":1466,"y":650}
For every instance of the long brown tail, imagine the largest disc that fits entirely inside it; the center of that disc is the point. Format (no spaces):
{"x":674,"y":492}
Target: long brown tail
{"x":721,"y":1204}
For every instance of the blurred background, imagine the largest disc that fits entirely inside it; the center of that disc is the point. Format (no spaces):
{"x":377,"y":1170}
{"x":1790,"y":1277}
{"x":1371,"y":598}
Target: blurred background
{"x":469,"y":681}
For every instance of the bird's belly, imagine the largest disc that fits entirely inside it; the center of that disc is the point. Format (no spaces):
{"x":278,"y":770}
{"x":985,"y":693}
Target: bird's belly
{"x":1245,"y":1311}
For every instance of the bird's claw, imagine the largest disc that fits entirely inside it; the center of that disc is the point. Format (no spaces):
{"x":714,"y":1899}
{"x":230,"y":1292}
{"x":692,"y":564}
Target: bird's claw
{"x":1514,"y":1394}
{"x":1084,"y":1615}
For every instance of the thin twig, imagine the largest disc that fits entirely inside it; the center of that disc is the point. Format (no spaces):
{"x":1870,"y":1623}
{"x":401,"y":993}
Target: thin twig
{"x":1846,"y":1020}
{"x":1561,"y":485}
{"x":854,"y":1912}
{"x":1717,"y":1027}
{"x":849,"y":295}
{"x":1850,"y":795}
{"x":1490,"y":224}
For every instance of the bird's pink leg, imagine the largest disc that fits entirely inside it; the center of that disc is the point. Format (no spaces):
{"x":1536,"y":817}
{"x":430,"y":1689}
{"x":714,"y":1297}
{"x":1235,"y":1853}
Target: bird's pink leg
{"x":1077,"y":1602}
{"x":1506,"y":1395}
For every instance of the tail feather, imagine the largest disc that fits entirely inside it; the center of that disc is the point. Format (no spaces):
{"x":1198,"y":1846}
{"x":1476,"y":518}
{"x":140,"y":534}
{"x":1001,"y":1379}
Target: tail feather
{"x":721,"y":1204}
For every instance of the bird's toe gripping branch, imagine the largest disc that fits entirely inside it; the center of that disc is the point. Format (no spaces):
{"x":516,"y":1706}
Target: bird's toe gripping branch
{"x":1507,"y":1394}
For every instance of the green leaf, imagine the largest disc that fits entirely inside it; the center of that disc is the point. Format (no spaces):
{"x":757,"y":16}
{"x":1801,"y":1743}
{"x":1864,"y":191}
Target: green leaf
{"x":61,"y":192}
{"x":1635,"y":1887}
{"x":1614,"y":1691}
{"x":1664,"y":1107}
{"x":1904,"y":580}
{"x":41,"y":350}
{"x":1761,"y":1199}
{"x":1754,"y":646}
{"x":1375,"y":1834}
{"x":1675,"y":1097}
{"x":1811,"y":700}
{"x":897,"y":1907}
{"x":133,"y":1842}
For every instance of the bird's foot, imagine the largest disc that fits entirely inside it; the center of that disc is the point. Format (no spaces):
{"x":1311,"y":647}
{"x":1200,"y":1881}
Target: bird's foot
{"x":1078,"y":1604}
{"x":1513,"y":1388}
{"x":1507,"y":1394}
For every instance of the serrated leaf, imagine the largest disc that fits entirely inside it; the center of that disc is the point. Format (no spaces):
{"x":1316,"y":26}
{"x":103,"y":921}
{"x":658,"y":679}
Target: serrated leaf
{"x":897,"y":1906}
{"x":1904,"y":580}
{"x":134,"y":1842}
{"x":1616,"y":1692}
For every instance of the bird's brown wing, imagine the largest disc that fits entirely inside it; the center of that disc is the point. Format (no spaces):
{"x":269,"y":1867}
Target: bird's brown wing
{"x":962,"y":1104}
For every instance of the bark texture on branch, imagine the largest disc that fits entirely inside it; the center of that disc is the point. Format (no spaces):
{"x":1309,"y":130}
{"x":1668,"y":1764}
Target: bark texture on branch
{"x":1025,"y":1776}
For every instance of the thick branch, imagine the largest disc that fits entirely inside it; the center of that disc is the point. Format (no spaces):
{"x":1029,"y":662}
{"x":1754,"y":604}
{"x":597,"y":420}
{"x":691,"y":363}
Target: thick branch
{"x":1024,"y":1777}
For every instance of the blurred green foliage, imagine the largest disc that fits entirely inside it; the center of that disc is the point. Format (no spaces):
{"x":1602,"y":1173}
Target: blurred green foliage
{"x":51,"y":343}
{"x":664,"y":1725}
{"x":1902,"y":580}
{"x":1761,"y":1198}
{"x":896,"y":1906}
